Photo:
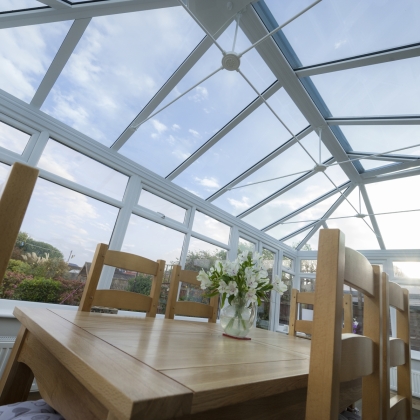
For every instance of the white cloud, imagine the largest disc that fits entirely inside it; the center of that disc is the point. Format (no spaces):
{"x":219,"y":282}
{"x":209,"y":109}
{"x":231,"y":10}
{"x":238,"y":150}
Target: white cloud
{"x":195,"y":133}
{"x":176,"y":127}
{"x":158,"y":126}
{"x":239,"y":205}
{"x":201,"y":94}
{"x":208,"y":182}
{"x":338,"y":44}
{"x":180,"y":155}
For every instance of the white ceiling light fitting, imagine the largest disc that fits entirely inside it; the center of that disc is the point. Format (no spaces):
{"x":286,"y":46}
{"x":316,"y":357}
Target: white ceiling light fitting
{"x":231,"y":61}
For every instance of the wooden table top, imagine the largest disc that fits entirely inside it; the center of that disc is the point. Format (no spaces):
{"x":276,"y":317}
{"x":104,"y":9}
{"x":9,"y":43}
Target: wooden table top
{"x":163,"y":367}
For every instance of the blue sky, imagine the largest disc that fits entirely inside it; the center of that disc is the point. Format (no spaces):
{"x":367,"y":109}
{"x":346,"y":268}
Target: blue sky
{"x":123,"y":60}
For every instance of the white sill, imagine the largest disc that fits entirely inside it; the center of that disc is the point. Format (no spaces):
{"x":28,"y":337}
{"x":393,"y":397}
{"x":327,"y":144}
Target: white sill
{"x":7,"y":306}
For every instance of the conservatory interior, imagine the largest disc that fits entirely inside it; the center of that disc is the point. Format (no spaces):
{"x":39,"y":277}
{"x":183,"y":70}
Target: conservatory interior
{"x":192,"y":130}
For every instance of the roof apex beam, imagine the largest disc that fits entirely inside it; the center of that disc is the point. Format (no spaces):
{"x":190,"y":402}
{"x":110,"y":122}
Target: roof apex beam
{"x":389,"y":177}
{"x":80,"y":11}
{"x":390,"y":168}
{"x":383,"y":56}
{"x":254,"y":29}
{"x":385,"y":157}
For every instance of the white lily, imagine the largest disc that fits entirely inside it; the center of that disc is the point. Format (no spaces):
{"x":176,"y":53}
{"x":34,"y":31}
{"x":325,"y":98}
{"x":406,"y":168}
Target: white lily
{"x":232,"y":288}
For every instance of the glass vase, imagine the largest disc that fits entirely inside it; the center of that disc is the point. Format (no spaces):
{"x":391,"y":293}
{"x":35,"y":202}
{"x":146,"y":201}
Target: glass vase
{"x":237,"y":318}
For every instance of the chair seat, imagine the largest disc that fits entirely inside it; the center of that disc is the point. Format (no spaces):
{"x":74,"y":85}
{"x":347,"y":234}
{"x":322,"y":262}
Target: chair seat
{"x":29,"y":410}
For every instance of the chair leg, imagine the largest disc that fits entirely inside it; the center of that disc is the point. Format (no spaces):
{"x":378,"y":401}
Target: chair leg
{"x":17,"y":378}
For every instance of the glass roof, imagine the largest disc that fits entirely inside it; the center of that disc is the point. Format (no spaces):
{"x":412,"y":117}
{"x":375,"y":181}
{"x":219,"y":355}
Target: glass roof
{"x":150,"y":84}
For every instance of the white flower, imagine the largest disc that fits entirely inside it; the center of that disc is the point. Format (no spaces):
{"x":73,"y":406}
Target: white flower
{"x":232,"y":268}
{"x":232,"y":288}
{"x":243,"y":256}
{"x":203,"y":278}
{"x":223,"y":287}
{"x":279,"y":286}
{"x":251,"y":295}
{"x":262,"y":274}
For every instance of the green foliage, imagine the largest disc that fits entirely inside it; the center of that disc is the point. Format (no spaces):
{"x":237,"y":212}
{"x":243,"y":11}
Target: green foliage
{"x":51,"y":268}
{"x":18,"y":266}
{"x":203,"y":259}
{"x":38,"y":290}
{"x":26,"y":244}
{"x":142,"y":283}
{"x":10,"y":283}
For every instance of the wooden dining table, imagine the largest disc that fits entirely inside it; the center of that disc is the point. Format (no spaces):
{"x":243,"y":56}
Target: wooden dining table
{"x":101,"y":366}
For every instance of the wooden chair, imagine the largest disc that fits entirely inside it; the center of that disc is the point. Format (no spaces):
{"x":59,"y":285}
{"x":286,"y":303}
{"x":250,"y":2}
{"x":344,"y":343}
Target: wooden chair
{"x":193,"y":309}
{"x":14,"y":200}
{"x":337,"y":357}
{"x":119,"y":298}
{"x":396,"y":352}
{"x":304,"y":326}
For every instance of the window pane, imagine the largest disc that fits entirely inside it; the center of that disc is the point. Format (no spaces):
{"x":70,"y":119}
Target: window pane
{"x":406,"y":269}
{"x":383,"y":89}
{"x":4,"y":171}
{"x":14,"y":5}
{"x":244,"y":245}
{"x":210,"y":227}
{"x":202,"y":255}
{"x":333,"y":30}
{"x":72,"y":165}
{"x":166,"y":140}
{"x":287,"y":262}
{"x":263,"y":311}
{"x":307,"y":284}
{"x":63,"y":228}
{"x":285,"y":298}
{"x":12,"y":138}
{"x":26,"y":53}
{"x":153,"y":241}
{"x":160,"y":205}
{"x":114,"y":71}
{"x":308,"y":266}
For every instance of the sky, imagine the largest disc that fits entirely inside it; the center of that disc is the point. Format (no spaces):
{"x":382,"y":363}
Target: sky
{"x":121,"y":62}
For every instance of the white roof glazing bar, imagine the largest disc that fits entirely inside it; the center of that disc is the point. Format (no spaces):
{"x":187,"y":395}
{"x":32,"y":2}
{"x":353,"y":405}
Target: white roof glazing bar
{"x":394,"y":120}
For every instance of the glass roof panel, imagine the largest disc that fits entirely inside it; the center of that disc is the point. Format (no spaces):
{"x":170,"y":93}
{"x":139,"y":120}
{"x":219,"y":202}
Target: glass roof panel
{"x":208,"y":226}
{"x":4,"y":170}
{"x":166,"y":140}
{"x":369,"y":164}
{"x":335,"y":29}
{"x":393,"y":196}
{"x":114,"y":72}
{"x":250,"y":141}
{"x":383,"y":138}
{"x":391,"y":88}
{"x":15,"y":5}
{"x":26,"y":53}
{"x":305,"y":218}
{"x":300,"y":195}
{"x":296,"y":240}
{"x":74,"y":166}
{"x":289,"y":162}
{"x":312,"y":244}
{"x":12,"y":138}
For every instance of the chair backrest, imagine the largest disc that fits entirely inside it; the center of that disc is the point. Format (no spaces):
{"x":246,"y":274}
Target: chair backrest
{"x":305,"y":326}
{"x":193,"y":309}
{"x":396,"y":352}
{"x":337,"y":357}
{"x":14,"y":199}
{"x":119,"y":298}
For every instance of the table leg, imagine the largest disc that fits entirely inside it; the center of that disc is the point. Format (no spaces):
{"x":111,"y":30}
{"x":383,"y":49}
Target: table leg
{"x":17,"y":378}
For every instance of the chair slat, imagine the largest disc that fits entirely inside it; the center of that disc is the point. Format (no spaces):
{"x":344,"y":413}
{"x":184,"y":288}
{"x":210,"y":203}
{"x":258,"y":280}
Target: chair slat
{"x":306,"y":298}
{"x":356,"y":357}
{"x":131,"y":262}
{"x":303,"y":326}
{"x":122,"y":299}
{"x":398,"y":408}
{"x":396,"y":352}
{"x":195,"y":309}
{"x":358,"y":272}
{"x":396,"y":296}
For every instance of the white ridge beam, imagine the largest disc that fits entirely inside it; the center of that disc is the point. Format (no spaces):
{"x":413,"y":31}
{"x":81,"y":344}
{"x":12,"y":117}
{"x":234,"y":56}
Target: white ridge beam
{"x":395,"y":175}
{"x":225,"y":130}
{"x":55,"y":4}
{"x":254,"y":29}
{"x":66,"y":49}
{"x":261,"y":163}
{"x":394,"y":120}
{"x":361,"y":61}
{"x":372,"y":216}
{"x":385,"y":157}
{"x":80,"y":11}
{"x":296,"y":232}
{"x":332,"y":209}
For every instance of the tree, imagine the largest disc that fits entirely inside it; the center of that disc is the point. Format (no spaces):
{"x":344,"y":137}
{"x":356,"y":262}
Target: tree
{"x":142,"y":283}
{"x":196,"y":260}
{"x":27,"y":244}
